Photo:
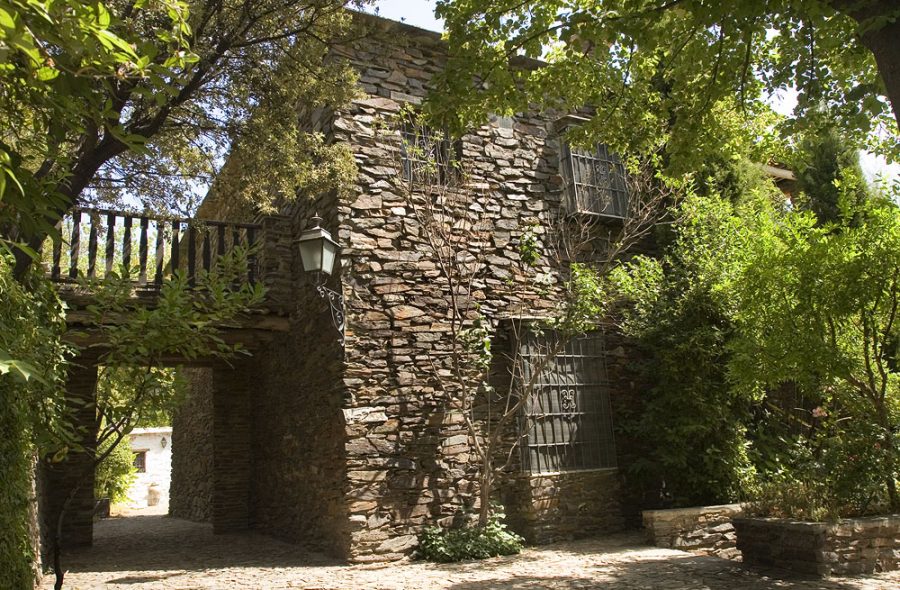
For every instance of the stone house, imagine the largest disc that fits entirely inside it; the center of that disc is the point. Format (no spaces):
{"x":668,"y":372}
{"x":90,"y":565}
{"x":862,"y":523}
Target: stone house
{"x":353,"y":449}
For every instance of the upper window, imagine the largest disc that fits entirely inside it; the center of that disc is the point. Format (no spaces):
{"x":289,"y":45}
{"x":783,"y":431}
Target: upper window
{"x":567,"y":422}
{"x":595,"y":181}
{"x":428,"y":155}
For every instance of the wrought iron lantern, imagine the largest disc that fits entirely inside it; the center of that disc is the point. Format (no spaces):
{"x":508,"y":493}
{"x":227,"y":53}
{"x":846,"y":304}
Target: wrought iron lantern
{"x":317,"y":248}
{"x":318,"y":252}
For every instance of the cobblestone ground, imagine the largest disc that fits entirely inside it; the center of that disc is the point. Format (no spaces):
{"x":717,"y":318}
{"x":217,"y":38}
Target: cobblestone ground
{"x":155,"y":552}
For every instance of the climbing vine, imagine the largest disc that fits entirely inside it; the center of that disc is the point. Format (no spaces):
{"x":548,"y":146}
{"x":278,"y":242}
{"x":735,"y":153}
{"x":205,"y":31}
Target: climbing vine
{"x":32,"y":367}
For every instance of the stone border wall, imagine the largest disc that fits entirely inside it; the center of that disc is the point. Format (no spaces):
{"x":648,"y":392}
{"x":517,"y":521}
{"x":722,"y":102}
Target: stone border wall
{"x":850,"y":546}
{"x":706,"y":528}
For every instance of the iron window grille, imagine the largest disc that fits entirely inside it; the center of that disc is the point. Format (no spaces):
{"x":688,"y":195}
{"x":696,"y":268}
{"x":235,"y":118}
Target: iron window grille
{"x":567,"y":422}
{"x":140,"y":461}
{"x":428,"y":155}
{"x":594,"y":181}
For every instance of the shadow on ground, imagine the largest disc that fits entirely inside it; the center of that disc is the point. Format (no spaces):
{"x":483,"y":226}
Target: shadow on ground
{"x":161,"y":543}
{"x":157,"y":552}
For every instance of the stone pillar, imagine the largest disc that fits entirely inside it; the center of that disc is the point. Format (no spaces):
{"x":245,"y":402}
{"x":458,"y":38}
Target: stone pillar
{"x":274,"y":262}
{"x":232,"y":446}
{"x":72,"y":480}
{"x":191,"y":490}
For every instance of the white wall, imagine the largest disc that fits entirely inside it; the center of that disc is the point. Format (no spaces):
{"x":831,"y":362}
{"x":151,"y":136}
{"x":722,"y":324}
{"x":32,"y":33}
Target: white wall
{"x":158,"y":462}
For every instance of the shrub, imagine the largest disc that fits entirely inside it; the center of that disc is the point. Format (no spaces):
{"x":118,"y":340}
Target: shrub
{"x":789,"y":497}
{"x":446,"y":545}
{"x":116,"y":473}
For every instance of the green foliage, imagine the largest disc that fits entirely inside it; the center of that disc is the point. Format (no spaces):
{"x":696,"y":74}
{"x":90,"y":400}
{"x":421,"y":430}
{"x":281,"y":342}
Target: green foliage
{"x":120,"y":100}
{"x":133,"y":388}
{"x":59,"y":60}
{"x":585,"y":302}
{"x":529,"y":250}
{"x":834,"y":469}
{"x":829,"y":177}
{"x":446,"y":545}
{"x":813,"y":307}
{"x":115,"y":473}
{"x":798,"y":496}
{"x":687,"y":76}
{"x":117,"y":386}
{"x":689,"y":430}
{"x":32,"y":369}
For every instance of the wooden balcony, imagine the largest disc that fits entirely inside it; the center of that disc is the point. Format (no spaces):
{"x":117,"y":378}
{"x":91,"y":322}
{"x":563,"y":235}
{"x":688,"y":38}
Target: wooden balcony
{"x":96,"y":242}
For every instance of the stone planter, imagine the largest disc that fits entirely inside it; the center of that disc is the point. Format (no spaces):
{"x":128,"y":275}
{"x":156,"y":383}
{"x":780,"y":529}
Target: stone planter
{"x":704,"y":528}
{"x":849,"y":546}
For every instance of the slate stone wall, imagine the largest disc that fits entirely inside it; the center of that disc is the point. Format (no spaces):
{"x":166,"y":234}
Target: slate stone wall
{"x":409,"y":454}
{"x":233,"y":386}
{"x":556,"y":507}
{"x":58,"y":480}
{"x":707,"y":528}
{"x":300,"y":465}
{"x":848,"y":547}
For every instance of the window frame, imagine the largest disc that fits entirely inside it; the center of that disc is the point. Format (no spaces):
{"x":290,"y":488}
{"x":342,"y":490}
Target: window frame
{"x":423,"y":137}
{"x":574,"y":201}
{"x":577,"y":400}
{"x":140,"y":460}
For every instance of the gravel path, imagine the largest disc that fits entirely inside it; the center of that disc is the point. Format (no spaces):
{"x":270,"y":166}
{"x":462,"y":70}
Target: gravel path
{"x":155,"y":552}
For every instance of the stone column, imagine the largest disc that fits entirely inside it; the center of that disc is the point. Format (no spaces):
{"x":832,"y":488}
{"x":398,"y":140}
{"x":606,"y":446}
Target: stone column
{"x":72,"y":480}
{"x":232,"y":446}
{"x":275,"y":261}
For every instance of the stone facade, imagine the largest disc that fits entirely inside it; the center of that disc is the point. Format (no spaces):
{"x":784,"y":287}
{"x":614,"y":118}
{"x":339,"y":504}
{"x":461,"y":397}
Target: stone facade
{"x":548,"y":508}
{"x":848,"y":547}
{"x":705,"y":528}
{"x":357,"y":450}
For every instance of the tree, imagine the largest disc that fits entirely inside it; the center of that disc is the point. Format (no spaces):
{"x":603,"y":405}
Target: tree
{"x":823,"y":159}
{"x":32,"y":376}
{"x":660,"y":72}
{"x":818,"y":308}
{"x":140,"y":100}
{"x":813,"y":307}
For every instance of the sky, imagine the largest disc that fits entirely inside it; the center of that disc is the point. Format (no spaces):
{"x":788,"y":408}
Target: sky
{"x":420,"y":13}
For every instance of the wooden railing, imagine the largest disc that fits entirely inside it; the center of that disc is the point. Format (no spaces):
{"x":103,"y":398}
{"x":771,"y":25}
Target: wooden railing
{"x":162,"y":245}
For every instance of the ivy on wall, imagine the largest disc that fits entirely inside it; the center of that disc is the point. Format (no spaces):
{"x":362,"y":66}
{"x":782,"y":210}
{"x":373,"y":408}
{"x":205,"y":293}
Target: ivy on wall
{"x":31,"y":368}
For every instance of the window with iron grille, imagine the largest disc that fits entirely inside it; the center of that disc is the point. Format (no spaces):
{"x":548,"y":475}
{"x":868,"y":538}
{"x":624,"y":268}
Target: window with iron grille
{"x":140,"y":461}
{"x":567,"y":422}
{"x":595,"y":181}
{"x":427,"y":154}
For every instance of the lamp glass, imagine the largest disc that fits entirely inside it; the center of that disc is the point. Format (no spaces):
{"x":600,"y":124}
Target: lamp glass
{"x":329,"y":251}
{"x":311,"y":253}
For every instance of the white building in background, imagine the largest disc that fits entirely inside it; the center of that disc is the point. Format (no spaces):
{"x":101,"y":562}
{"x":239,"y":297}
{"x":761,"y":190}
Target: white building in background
{"x":152,"y":448}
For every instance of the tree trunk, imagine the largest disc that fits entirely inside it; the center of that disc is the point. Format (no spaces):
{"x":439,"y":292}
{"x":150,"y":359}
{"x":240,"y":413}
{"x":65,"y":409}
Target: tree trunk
{"x":882,"y":42}
{"x":487,"y":484}
{"x":82,"y":173}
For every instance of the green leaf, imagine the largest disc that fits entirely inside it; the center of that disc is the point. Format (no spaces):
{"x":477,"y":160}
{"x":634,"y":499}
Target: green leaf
{"x":110,"y":39}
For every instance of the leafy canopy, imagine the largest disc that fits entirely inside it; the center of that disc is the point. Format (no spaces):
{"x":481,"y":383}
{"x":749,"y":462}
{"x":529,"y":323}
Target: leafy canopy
{"x":138,"y":103}
{"x":658,"y":73}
